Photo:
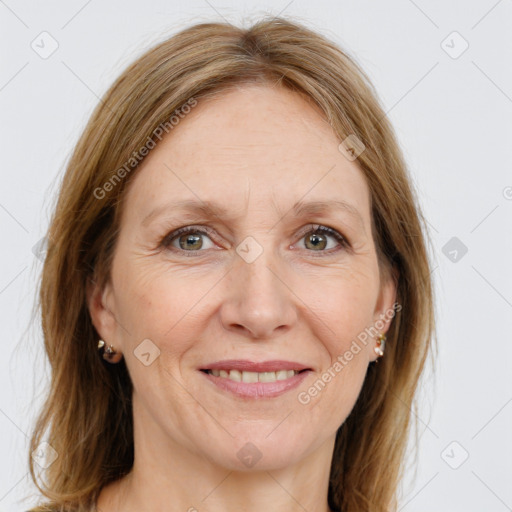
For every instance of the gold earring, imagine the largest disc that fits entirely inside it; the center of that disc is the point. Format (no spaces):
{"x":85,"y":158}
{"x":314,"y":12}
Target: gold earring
{"x":109,"y":354}
{"x":381,"y":343}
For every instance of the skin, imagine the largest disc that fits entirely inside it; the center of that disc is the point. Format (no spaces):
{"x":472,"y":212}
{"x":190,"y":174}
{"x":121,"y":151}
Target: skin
{"x":256,"y":151}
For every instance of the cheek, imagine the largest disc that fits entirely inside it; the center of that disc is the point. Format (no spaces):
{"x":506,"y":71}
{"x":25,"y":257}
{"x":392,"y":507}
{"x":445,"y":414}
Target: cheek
{"x":345,"y":303}
{"x":161,"y":304}
{"x":139,"y":300}
{"x":154,"y":306}
{"x":347,"y":306}
{"x":330,"y":397}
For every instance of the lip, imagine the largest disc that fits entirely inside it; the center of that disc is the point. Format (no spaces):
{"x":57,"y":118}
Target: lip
{"x":256,"y":390}
{"x":243,"y":365}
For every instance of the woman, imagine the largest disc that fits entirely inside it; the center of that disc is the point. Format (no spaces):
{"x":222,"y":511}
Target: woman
{"x":236,"y":245}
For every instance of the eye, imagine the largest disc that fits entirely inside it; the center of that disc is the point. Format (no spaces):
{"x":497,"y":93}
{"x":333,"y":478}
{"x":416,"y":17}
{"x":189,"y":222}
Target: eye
{"x":316,"y":239}
{"x":189,"y":239}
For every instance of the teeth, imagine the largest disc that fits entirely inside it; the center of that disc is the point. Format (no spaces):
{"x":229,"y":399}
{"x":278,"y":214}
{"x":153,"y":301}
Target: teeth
{"x":251,"y":377}
{"x":282,"y":374}
{"x":235,"y":375}
{"x":267,"y":377}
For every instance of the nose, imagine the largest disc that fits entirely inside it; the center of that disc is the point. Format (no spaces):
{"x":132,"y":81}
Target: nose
{"x":259,"y":303}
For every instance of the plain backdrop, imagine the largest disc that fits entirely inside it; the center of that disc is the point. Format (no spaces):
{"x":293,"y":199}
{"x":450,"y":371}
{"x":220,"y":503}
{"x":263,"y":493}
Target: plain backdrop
{"x":443,"y":71}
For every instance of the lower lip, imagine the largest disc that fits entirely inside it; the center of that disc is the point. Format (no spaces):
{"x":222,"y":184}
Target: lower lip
{"x":257,"y":389}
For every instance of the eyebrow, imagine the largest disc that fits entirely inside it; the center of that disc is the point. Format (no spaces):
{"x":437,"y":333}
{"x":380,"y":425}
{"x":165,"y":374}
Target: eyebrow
{"x":300,"y":209}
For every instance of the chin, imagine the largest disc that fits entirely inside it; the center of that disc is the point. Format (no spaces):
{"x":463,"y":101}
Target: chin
{"x":261,"y":452}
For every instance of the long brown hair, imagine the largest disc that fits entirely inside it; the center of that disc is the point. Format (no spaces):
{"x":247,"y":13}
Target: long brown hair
{"x":87,"y":415}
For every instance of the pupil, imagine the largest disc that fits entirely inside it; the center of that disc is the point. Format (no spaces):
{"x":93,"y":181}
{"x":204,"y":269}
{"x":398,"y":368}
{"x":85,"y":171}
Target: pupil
{"x":191,"y":239}
{"x":317,"y":240}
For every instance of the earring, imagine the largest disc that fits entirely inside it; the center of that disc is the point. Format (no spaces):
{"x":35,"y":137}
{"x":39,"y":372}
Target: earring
{"x":381,"y":343}
{"x":109,"y":354}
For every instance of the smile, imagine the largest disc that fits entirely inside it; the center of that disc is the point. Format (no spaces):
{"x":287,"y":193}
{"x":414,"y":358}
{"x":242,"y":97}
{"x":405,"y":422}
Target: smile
{"x":251,"y":377}
{"x":250,"y":384}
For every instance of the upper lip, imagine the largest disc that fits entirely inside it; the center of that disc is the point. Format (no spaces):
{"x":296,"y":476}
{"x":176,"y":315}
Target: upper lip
{"x":252,"y":366}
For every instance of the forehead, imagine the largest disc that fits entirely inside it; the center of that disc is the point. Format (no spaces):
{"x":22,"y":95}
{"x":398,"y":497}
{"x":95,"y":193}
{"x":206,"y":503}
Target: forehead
{"x":256,"y":145}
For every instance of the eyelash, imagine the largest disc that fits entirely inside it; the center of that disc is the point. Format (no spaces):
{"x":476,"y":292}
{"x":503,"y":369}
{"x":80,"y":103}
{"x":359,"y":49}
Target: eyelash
{"x":168,"y":239}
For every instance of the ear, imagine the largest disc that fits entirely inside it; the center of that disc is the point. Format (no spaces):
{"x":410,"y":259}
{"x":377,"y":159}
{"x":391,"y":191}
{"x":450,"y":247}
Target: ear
{"x":386,"y":306}
{"x":102,"y":316}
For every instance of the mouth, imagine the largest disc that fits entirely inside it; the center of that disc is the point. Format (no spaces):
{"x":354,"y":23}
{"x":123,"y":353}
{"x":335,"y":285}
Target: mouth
{"x":248,"y":379}
{"x":252,"y":377}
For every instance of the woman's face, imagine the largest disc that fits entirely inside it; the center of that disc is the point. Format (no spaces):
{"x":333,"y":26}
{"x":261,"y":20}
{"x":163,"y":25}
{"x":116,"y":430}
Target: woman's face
{"x":252,"y":283}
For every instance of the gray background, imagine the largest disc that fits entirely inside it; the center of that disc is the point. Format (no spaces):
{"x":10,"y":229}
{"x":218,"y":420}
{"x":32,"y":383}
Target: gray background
{"x":452,"y":110}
